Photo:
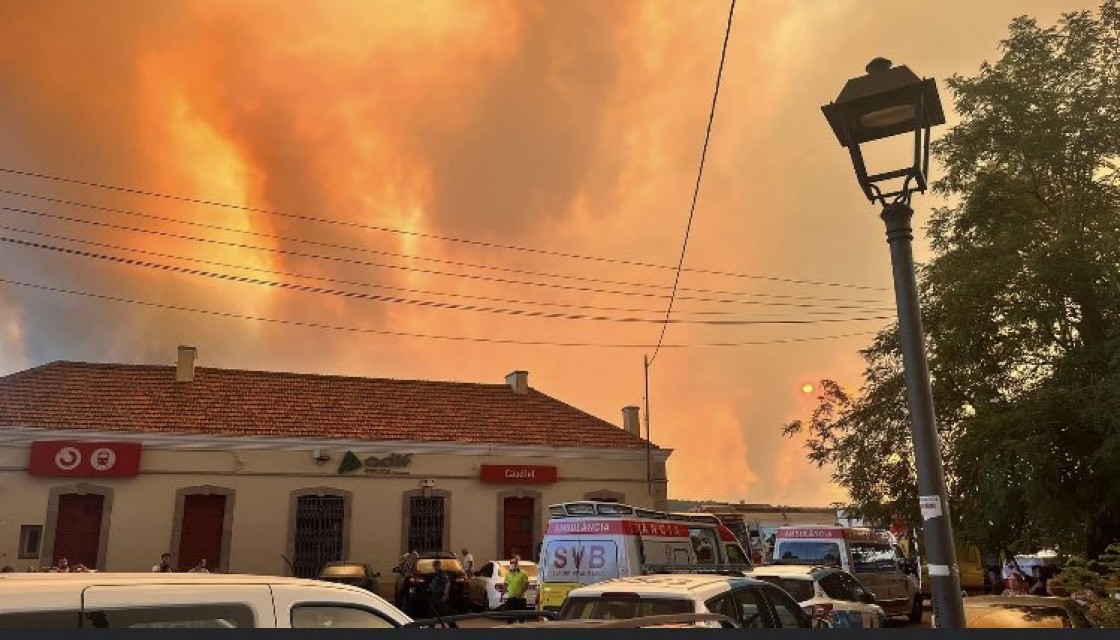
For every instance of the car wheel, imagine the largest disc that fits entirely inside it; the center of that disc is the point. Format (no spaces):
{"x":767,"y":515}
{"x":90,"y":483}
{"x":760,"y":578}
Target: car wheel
{"x":916,"y":610}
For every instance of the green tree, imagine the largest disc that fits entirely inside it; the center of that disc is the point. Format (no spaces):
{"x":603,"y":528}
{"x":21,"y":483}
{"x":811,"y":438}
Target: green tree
{"x":1021,"y":303}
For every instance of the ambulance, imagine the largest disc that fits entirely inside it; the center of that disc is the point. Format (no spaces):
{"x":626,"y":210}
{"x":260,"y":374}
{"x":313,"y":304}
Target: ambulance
{"x":589,"y":542}
{"x":873,"y":557}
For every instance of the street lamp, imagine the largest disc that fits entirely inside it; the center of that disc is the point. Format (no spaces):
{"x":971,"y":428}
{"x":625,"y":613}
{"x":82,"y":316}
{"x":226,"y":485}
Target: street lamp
{"x":891,"y":101}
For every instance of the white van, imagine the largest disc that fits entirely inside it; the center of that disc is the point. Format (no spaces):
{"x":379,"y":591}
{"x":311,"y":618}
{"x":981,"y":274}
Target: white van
{"x":187,"y":601}
{"x":871,"y":556}
{"x":589,"y":542}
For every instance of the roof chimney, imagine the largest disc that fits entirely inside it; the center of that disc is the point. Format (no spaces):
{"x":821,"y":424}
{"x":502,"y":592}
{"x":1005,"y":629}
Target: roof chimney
{"x":630,"y":421}
{"x":519,"y":382}
{"x":185,"y":371}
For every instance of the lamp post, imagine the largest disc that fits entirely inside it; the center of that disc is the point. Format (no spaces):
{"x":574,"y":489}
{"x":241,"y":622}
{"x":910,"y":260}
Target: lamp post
{"x":887,"y":102}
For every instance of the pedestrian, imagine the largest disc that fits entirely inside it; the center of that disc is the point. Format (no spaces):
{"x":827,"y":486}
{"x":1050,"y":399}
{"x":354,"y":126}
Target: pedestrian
{"x":439,"y":589}
{"x":468,"y":562}
{"x":200,"y":567}
{"x":164,"y":565}
{"x":995,"y":582}
{"x":1041,"y":578}
{"x":516,"y":583}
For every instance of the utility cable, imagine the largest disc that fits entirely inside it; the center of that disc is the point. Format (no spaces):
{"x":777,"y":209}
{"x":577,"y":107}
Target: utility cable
{"x":429,"y":236}
{"x":403,"y":334}
{"x":412,"y":301}
{"x":809,"y":309}
{"x":379,"y":265}
{"x":696,"y":189}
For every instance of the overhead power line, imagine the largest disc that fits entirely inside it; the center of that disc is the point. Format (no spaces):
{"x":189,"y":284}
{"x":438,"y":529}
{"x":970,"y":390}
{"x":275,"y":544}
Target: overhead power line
{"x":425,"y":235}
{"x":434,"y":304}
{"x":397,"y":267}
{"x":808,"y":309}
{"x":405,"y":334}
{"x":696,"y":189}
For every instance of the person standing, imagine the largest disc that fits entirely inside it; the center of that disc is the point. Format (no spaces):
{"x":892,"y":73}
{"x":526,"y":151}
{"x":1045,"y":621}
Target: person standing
{"x":517,"y":583}
{"x":164,"y":565}
{"x":440,"y":589}
{"x":468,"y":562}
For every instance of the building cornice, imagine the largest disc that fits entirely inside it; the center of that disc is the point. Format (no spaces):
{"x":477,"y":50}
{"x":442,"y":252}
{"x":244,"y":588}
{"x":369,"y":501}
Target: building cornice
{"x":22,"y":436}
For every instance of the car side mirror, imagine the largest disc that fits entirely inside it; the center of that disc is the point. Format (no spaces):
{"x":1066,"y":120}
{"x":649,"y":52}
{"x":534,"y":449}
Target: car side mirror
{"x":867,"y":597}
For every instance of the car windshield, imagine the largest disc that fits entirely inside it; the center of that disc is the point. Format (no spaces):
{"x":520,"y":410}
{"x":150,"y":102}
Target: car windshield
{"x":449,"y":564}
{"x":808,"y":552}
{"x":1003,"y":616}
{"x":869,"y":556}
{"x":800,"y":588}
{"x":622,"y":608}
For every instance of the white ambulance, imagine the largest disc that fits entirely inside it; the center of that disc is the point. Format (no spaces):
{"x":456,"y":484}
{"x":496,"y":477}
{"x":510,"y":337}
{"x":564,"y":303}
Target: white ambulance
{"x":589,"y":542}
{"x":873,"y":557}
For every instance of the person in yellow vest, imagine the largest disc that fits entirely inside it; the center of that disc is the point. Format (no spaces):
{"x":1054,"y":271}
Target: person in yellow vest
{"x":517,"y":583}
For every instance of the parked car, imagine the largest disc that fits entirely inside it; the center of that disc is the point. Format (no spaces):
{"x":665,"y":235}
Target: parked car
{"x":350,"y":572}
{"x":828,"y":594}
{"x":187,"y":601}
{"x":1023,"y":612}
{"x":487,"y":587}
{"x":414,"y":575}
{"x":873,"y":557}
{"x":749,"y":602}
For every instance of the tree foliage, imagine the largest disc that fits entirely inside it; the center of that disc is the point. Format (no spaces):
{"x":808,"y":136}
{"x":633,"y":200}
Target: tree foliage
{"x":1021,"y":304}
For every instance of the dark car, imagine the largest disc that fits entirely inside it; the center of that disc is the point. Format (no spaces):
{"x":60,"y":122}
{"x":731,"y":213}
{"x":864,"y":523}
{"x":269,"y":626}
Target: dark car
{"x":414,"y":575}
{"x":351,"y":572}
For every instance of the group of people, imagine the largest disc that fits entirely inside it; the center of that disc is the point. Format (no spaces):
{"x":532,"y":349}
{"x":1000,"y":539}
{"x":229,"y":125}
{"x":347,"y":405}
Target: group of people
{"x":1014,"y":581}
{"x":516,"y":583}
{"x":63,"y":566}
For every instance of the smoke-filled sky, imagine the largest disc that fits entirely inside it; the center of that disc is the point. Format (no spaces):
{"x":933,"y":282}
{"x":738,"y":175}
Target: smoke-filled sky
{"x":568,"y":126}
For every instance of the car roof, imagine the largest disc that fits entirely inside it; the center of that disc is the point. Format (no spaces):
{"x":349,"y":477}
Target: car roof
{"x":791,"y":570}
{"x":90,"y":578}
{"x":1025,"y":601}
{"x":505,"y":563}
{"x":668,"y":584}
{"x":434,"y":555}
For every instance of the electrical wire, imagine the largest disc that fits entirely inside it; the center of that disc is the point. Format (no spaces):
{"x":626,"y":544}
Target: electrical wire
{"x":404,"y":334}
{"x":425,"y":235}
{"x":412,"y":301}
{"x":696,"y":189}
{"x":379,"y":265}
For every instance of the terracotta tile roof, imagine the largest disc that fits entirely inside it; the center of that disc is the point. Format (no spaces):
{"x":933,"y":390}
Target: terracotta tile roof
{"x":229,"y":402}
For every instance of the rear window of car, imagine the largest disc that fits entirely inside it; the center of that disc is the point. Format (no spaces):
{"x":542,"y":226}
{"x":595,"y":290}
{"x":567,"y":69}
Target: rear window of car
{"x":800,"y":588}
{"x":872,"y":557}
{"x":425,"y":566}
{"x":808,"y":552}
{"x":614,"y":608}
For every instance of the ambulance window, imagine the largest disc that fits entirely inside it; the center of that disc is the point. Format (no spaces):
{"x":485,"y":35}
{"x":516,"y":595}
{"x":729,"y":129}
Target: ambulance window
{"x":735,"y":554}
{"x":808,"y":552}
{"x":703,"y":545}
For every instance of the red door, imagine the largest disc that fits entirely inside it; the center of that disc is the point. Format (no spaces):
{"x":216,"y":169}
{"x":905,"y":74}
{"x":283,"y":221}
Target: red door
{"x":201,"y":533}
{"x":517,"y":532}
{"x":77,"y":532}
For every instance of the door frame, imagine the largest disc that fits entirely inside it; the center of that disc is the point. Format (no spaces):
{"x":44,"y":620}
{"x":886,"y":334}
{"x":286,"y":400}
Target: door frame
{"x":46,"y":552}
{"x":530,"y":554}
{"x":227,"y":520}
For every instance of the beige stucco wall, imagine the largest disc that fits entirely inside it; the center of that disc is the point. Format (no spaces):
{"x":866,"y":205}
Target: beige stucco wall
{"x":143,"y":507}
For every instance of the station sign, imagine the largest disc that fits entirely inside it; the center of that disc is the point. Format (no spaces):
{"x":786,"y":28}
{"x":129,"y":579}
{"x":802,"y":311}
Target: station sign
{"x":516,"y":474}
{"x":83,"y":459}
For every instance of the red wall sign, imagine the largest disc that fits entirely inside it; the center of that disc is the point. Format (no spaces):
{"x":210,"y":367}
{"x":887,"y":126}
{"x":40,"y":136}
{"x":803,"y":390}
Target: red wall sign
{"x":84,"y":459}
{"x":517,"y":474}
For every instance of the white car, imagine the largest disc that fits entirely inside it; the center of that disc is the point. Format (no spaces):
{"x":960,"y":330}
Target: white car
{"x":487,"y":587}
{"x":827,"y":593}
{"x":187,"y":601}
{"x":749,"y":602}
